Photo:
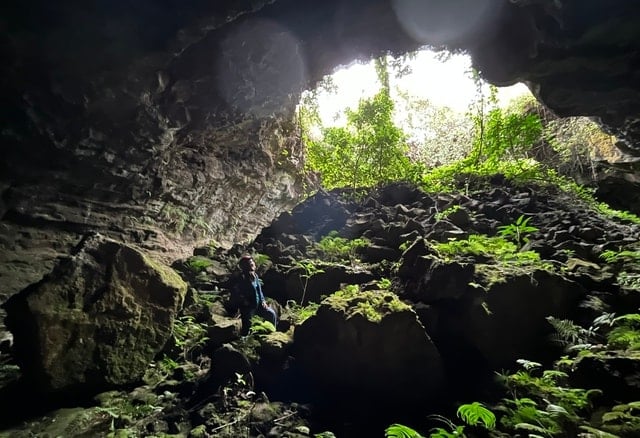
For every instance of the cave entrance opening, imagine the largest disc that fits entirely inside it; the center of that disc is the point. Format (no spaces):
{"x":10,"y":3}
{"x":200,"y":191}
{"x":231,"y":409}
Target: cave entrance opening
{"x":435,"y":96}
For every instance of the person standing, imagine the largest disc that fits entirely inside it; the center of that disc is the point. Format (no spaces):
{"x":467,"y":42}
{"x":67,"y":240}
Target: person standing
{"x":247,"y":293}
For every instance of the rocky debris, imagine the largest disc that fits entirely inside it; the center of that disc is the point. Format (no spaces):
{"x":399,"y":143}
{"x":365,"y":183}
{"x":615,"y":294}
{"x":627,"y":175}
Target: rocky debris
{"x":617,"y":372}
{"x":409,"y":322}
{"x":171,"y":125}
{"x":620,"y":192}
{"x":368,"y":345}
{"x":97,"y":320}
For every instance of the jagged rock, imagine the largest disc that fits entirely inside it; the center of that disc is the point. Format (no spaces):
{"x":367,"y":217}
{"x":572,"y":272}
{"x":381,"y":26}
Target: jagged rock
{"x":222,"y":330}
{"x":507,"y":321}
{"x":460,"y":218}
{"x":227,"y":363}
{"x":275,"y":346}
{"x":443,"y":281}
{"x":615,"y":372}
{"x":444,"y":230}
{"x":370,"y":347}
{"x":318,"y":285}
{"x":96,"y":320}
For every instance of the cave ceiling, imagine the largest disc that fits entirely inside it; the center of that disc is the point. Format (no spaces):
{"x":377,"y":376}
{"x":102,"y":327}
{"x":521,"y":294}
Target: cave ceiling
{"x":168,"y":121}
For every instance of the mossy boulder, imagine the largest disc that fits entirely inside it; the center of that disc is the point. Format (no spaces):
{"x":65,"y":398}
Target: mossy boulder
{"x":368,"y":346}
{"x":507,"y":321}
{"x":96,"y":320}
{"x":623,"y":420}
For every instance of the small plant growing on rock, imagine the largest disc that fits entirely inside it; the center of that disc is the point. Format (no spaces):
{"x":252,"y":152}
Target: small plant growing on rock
{"x":401,"y":431}
{"x":542,"y":402}
{"x":384,"y":284}
{"x":189,"y":335}
{"x":301,"y":313}
{"x":626,"y":332}
{"x":261,"y":327}
{"x":476,"y":414}
{"x":336,"y":248}
{"x":611,"y":256}
{"x":517,"y":231}
{"x":261,"y":259}
{"x":309,"y":269}
{"x":445,"y":213}
{"x":198,"y":263}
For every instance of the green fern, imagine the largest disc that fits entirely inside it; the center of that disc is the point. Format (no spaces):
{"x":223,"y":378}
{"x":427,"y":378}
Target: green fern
{"x":454,"y":431}
{"x":534,"y":431}
{"x":528,"y":364}
{"x":476,"y":413}
{"x":631,"y":320}
{"x":261,"y":327}
{"x":439,"y":432}
{"x":569,"y":334}
{"x":401,"y":431}
{"x":624,"y":338}
{"x":626,"y":334}
{"x":517,"y":231}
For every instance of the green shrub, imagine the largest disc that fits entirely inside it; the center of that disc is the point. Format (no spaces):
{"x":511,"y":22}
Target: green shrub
{"x":626,"y":332}
{"x":299,"y":313}
{"x":495,"y":247}
{"x":336,"y":248}
{"x":198,"y":263}
{"x":517,"y":231}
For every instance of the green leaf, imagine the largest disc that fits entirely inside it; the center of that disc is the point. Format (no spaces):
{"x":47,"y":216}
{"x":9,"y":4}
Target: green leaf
{"x":401,"y":431}
{"x":476,"y":413}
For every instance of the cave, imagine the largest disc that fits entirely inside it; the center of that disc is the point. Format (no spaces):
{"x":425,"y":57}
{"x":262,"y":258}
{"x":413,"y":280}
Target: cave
{"x":170,"y":126}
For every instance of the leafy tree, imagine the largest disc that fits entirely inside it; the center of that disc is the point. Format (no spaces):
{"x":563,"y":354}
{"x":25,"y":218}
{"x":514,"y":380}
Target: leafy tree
{"x":369,"y":150}
{"x":439,"y":135}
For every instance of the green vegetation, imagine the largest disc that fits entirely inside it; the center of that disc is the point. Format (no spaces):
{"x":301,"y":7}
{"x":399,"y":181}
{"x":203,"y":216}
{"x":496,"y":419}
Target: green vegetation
{"x":198,"y":263}
{"x":611,"y":256}
{"x":625,"y":334}
{"x":522,"y":143}
{"x":447,"y":212}
{"x":301,"y":313}
{"x":494,"y":248}
{"x":477,"y":414}
{"x":369,"y":151}
{"x":401,"y":431}
{"x":473,"y":414}
{"x":260,"y":326}
{"x":517,"y":231}
{"x":373,"y":305}
{"x":542,"y":403}
{"x":188,"y":335}
{"x":335,"y":248}
{"x":261,"y":259}
{"x":309,"y":269}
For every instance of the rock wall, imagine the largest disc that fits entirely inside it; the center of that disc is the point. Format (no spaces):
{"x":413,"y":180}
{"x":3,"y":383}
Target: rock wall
{"x":167,"y":125}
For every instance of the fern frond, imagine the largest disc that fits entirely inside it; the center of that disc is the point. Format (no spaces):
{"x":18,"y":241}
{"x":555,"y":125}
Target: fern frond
{"x":475,"y":413}
{"x":401,"y":431}
{"x":528,"y":365}
{"x":533,"y":428}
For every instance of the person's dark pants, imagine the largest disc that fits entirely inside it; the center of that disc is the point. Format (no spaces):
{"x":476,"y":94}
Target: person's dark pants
{"x":246,"y":313}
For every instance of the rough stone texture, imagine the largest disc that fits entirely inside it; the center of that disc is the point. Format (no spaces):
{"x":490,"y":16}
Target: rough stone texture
{"x":153,"y":122}
{"x":616,"y":371}
{"x":97,"y":320}
{"x":507,"y":322}
{"x":344,"y":352}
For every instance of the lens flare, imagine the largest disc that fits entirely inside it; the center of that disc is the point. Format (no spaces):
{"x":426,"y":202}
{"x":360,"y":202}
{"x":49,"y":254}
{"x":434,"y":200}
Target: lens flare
{"x":437,"y":22}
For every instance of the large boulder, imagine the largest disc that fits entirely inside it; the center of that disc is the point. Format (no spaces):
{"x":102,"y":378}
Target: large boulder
{"x":96,"y":320}
{"x":368,"y":346}
{"x":507,"y":321}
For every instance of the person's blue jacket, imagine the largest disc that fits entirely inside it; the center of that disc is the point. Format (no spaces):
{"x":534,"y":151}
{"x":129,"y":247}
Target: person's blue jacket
{"x":248,"y":291}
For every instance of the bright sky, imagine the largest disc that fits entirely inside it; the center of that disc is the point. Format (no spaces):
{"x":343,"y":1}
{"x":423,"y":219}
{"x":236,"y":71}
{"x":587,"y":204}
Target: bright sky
{"x":446,"y":84}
